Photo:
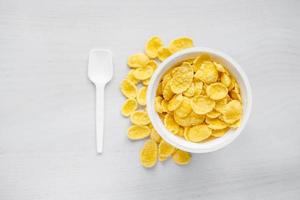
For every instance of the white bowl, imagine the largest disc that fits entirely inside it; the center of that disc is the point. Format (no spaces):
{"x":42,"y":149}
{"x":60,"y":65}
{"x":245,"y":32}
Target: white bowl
{"x":179,"y":142}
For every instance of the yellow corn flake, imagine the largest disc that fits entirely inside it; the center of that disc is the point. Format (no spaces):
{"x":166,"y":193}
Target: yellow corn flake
{"x":163,"y":53}
{"x":195,"y":118}
{"x":180,"y":43}
{"x":182,"y":79}
{"x":139,"y":118}
{"x":203,"y":93}
{"x":228,"y":98}
{"x":170,"y":124}
{"x":155,"y":136}
{"x":225,"y":79}
{"x":199,"y":132}
{"x":235,"y":124}
{"x":143,"y":73}
{"x":167,"y":92}
{"x":167,"y":77}
{"x":175,"y":102}
{"x":232,"y":84}
{"x":181,"y":157}
{"x":157,"y":105}
{"x":221,"y":117}
{"x":182,"y":121}
{"x":232,"y":111}
{"x":148,"y":154}
{"x":220,"y":104}
{"x":159,"y":90}
{"x":219,"y":67}
{"x":152,"y":64}
{"x":141,"y":96}
{"x":161,"y":158}
{"x":165,"y":149}
{"x":208,"y":139}
{"x":234,"y":95}
{"x":184,"y":109}
{"x":216,"y":91}
{"x":215,"y":124}
{"x":198,"y":88}
{"x":128,"y":88}
{"x":190,"y":120}
{"x":190,"y":91}
{"x":129,"y":106}
{"x":202,"y":104}
{"x":150,"y":125}
{"x":213,"y":114}
{"x":207,"y":73}
{"x":199,"y":60}
{"x":152,"y":46}
{"x":236,"y":87}
{"x":185,"y":133}
{"x":136,"y":132}
{"x":164,"y":105}
{"x":131,"y":77}
{"x":174,"y":71}
{"x":138,"y":60}
{"x":219,"y":132}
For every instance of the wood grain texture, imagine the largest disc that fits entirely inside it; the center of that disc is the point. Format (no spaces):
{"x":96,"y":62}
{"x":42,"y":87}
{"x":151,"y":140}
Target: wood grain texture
{"x":47,"y":104}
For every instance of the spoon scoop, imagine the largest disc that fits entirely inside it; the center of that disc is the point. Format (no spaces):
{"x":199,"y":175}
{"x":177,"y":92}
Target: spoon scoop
{"x":100,"y":72}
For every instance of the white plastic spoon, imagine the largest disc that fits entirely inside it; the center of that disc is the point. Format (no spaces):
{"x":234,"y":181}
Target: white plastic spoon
{"x":100,"y":72}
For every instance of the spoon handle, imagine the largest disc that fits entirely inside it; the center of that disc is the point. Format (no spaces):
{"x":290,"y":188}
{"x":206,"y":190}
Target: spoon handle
{"x":99,"y":116}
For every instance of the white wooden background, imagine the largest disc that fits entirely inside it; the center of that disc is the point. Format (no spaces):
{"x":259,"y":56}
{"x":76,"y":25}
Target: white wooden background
{"x":47,"y":105}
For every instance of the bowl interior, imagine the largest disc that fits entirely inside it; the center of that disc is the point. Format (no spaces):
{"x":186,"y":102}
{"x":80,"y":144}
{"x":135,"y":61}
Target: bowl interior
{"x":179,"y":142}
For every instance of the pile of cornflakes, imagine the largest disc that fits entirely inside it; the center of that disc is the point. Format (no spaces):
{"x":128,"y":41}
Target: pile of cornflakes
{"x":198,"y":100}
{"x":134,"y":88}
